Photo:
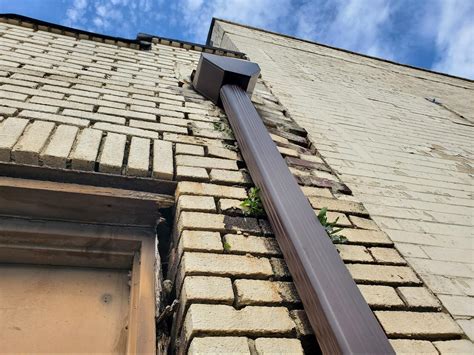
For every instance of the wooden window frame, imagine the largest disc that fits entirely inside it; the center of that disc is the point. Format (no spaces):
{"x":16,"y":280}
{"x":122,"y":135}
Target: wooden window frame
{"x":51,"y":223}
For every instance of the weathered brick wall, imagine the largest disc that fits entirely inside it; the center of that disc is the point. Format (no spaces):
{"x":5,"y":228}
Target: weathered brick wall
{"x":86,"y":105}
{"x":407,"y":159}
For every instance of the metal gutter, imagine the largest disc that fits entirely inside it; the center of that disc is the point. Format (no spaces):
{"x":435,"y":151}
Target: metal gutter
{"x":339,"y":315}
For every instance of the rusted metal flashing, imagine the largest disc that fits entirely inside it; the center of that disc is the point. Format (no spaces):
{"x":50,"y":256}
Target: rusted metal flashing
{"x":339,"y":315}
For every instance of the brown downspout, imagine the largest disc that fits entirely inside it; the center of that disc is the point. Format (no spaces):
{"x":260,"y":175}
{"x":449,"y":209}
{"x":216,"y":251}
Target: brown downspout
{"x":339,"y":315}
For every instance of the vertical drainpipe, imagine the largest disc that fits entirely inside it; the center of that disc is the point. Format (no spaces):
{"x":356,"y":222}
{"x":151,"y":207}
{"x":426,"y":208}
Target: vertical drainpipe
{"x":339,"y":315}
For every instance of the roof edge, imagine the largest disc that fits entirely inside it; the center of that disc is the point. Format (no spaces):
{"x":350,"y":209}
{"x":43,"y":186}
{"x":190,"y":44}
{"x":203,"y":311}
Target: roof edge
{"x":142,"y":41}
{"x":214,"y":19}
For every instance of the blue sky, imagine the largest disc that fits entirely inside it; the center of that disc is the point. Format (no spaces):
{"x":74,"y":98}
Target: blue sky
{"x":433,"y":34}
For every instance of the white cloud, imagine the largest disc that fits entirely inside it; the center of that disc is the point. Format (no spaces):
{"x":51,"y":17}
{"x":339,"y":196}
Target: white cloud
{"x":454,"y":37}
{"x":356,"y":25}
{"x":75,"y":14}
{"x":196,"y":15}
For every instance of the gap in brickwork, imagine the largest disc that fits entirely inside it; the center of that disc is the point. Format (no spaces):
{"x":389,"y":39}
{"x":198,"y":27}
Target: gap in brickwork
{"x":166,"y":297}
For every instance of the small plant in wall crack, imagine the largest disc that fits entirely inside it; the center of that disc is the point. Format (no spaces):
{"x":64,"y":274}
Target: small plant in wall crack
{"x":330,"y":227}
{"x":227,"y":247}
{"x":252,"y":205}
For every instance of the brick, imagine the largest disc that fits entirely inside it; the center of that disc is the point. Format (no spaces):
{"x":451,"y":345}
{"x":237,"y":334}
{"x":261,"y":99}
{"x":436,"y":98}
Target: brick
{"x":173,"y":96}
{"x":278,"y":346}
{"x":219,"y":345}
{"x":363,"y":223}
{"x":61,"y":103}
{"x":310,"y":191}
{"x":280,"y":268}
{"x":96,"y":102}
{"x":27,"y":149}
{"x":138,"y":157}
{"x":354,"y":253}
{"x":419,"y":297}
{"x":328,"y":176}
{"x":342,"y":219}
{"x":207,"y":289}
{"x":366,"y":237}
{"x":12,"y":95}
{"x":219,"y":152}
{"x":442,"y":268}
{"x":160,"y":127}
{"x":39,"y":80}
{"x":216,"y":222}
{"x":380,"y":297}
{"x":411,"y":250}
{"x":406,"y":346}
{"x":299,"y":172}
{"x":8,"y":111}
{"x":10,"y":131}
{"x":253,"y":245}
{"x":94,"y":116}
{"x":54,"y":118}
{"x":288,"y":152}
{"x":190,"y":173}
{"x":131,"y":131}
{"x":195,"y":203}
{"x":128,"y":100}
{"x":461,"y":346}
{"x":111,"y":157}
{"x":232,"y":177}
{"x":225,"y":265}
{"x":200,"y":241}
{"x":161,"y":112}
{"x":205,"y":162}
{"x":458,"y":305}
{"x":262,"y":292}
{"x":189,"y":149}
{"x":85,"y":152}
{"x":441,"y":284}
{"x":180,"y":138}
{"x":69,"y":91}
{"x":175,"y":121}
{"x":59,"y":146}
{"x":466,"y":285}
{"x":225,"y":320}
{"x":126,"y":113}
{"x":418,"y":325}
{"x":28,"y":91}
{"x":449,"y":254}
{"x":195,"y":188}
{"x":303,"y":327}
{"x":230,"y":205}
{"x":163,"y":160}
{"x":279,"y":139}
{"x":467,"y":326}
{"x":383,"y":274}
{"x":338,"y":205}
{"x":203,"y":118}
{"x":312,"y":158}
{"x":387,"y":256}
